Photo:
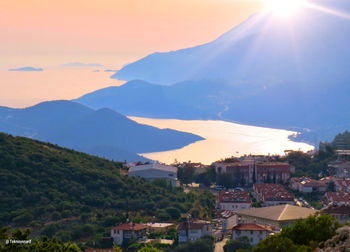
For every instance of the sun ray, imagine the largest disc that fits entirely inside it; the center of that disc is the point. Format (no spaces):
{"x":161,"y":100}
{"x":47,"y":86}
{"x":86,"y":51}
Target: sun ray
{"x":328,"y":10}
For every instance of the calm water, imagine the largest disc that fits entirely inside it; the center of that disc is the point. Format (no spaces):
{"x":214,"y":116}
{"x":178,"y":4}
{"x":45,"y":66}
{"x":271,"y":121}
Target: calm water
{"x":223,"y":139}
{"x":23,"y":89}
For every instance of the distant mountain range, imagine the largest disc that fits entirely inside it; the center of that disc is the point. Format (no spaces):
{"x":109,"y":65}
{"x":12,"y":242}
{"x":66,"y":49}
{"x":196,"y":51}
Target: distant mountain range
{"x":26,"y":69}
{"x":102,"y":132}
{"x":269,"y":71}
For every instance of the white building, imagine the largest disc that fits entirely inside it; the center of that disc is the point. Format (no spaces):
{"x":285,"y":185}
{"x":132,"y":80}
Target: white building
{"x":194,"y":230}
{"x":154,"y":171}
{"x":254,"y":232}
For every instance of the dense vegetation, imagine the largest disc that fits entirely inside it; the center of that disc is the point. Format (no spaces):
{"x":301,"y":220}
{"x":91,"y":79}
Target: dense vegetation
{"x":204,"y":244}
{"x":242,"y":243}
{"x":342,"y":141}
{"x":73,"y":196}
{"x":305,"y":235}
{"x":312,"y":166}
{"x":40,"y":245}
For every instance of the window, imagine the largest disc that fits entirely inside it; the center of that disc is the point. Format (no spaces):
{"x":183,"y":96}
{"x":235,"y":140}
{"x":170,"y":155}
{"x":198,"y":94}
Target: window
{"x":251,"y":232}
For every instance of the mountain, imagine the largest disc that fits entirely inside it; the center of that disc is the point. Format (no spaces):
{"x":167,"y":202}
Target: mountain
{"x":62,"y":193}
{"x":103,"y":132}
{"x":27,"y":69}
{"x":269,"y":71}
{"x":266,"y":49}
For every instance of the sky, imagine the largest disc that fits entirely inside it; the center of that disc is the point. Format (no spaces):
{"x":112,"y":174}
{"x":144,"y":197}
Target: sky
{"x":114,"y":32}
{"x":49,"y":33}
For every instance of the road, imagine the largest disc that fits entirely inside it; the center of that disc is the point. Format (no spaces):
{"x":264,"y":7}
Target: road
{"x":219,"y":246}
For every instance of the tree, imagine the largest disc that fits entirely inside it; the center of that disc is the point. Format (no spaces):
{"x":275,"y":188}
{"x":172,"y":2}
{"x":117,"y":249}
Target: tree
{"x":331,"y":187}
{"x":240,"y":243}
{"x":149,"y":249}
{"x":204,"y":244}
{"x":312,"y":230}
{"x":275,"y":243}
{"x":304,"y":236}
{"x":42,"y":245}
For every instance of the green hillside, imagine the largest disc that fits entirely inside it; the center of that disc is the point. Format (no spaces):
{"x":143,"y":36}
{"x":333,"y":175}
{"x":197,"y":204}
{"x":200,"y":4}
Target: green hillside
{"x":73,"y":196}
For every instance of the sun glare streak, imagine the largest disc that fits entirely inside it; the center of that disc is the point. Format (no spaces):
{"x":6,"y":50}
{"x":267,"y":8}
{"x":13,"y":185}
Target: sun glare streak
{"x":328,"y":10}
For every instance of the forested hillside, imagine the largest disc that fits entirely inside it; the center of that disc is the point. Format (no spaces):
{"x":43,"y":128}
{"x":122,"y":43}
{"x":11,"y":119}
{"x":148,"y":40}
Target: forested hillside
{"x":73,"y":196}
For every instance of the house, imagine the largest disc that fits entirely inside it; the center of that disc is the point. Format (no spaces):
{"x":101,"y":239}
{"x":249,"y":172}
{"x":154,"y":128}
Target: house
{"x":340,"y":213}
{"x":272,"y":194}
{"x":256,"y":171}
{"x":276,"y":216}
{"x":273,"y":172}
{"x":337,"y":198}
{"x":244,"y":170}
{"x":159,"y":227}
{"x":340,"y":168}
{"x":155,"y":171}
{"x":233,"y":200}
{"x":341,"y":184}
{"x":254,"y":232}
{"x":191,"y":231}
{"x":308,"y":185}
{"x":129,"y":231}
{"x":227,"y":218}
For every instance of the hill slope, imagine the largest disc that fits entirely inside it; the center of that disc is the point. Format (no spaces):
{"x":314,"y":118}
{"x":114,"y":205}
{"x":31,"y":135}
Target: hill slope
{"x":103,"y":132}
{"x":71,"y":195}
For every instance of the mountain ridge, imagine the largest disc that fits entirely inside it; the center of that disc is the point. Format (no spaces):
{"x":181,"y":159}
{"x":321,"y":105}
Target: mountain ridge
{"x":76,"y":126}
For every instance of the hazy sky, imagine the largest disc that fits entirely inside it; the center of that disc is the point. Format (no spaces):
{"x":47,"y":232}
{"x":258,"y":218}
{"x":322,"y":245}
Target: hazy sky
{"x":115,"y":32}
{"x":48,"y":33}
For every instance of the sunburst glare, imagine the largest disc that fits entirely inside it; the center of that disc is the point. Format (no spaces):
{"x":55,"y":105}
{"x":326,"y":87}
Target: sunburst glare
{"x":285,"y":8}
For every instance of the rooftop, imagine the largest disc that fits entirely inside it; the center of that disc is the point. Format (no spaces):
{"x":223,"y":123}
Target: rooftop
{"x":253,"y":227}
{"x":278,"y":213}
{"x":273,"y":192}
{"x":154,"y":166}
{"x":337,"y":210}
{"x":160,"y":225}
{"x":339,"y":196}
{"x":234,"y":197}
{"x":225,"y":214}
{"x":130,"y":226}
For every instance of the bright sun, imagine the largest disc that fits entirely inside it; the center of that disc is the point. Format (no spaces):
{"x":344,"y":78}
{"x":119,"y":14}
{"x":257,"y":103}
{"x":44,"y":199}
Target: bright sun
{"x":285,"y":8}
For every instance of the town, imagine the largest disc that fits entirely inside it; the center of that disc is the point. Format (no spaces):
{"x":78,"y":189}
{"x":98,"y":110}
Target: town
{"x":255,"y":197}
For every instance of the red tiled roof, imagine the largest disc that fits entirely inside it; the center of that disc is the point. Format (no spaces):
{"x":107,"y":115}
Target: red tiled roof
{"x":273,"y":192}
{"x":130,"y":226}
{"x":337,"y":210}
{"x":252,"y":227}
{"x":234,"y":197}
{"x":308,"y":182}
{"x":338,"y":196}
